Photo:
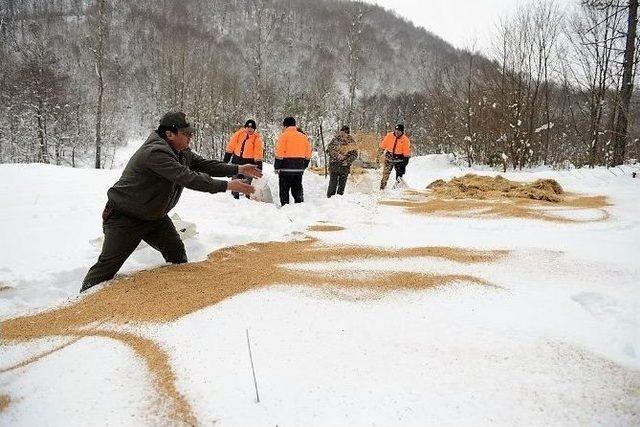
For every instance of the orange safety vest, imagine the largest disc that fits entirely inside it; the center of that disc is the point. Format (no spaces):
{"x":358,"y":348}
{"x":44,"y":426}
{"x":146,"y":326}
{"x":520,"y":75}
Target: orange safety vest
{"x":245,"y":148}
{"x":396,"y":146}
{"x":293,"y":151}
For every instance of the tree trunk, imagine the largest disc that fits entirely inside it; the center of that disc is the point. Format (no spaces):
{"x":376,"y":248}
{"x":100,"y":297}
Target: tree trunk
{"x":469,"y":139}
{"x":44,"y":151}
{"x":620,"y":142}
{"x":99,"y":56}
{"x":58,"y":150}
{"x":99,"y":121}
{"x":258,"y":64}
{"x":354,"y":44}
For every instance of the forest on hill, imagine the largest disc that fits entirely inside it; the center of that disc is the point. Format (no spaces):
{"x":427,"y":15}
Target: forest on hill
{"x":79,"y":78}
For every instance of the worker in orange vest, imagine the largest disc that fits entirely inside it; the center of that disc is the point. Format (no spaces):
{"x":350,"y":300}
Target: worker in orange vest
{"x":396,"y":147}
{"x":245,"y":147}
{"x":293,"y":152}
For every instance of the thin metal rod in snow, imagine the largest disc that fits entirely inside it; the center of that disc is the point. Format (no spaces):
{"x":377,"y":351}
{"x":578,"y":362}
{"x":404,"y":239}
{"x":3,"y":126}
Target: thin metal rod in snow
{"x":255,"y":383}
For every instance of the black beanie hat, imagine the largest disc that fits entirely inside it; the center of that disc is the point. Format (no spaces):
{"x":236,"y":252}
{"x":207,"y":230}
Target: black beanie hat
{"x":250,"y":124}
{"x":289,"y":121}
{"x":400,"y":127}
{"x":345,"y":129}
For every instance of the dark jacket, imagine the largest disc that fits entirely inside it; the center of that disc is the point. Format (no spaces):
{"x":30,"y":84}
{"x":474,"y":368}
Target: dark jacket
{"x":342,"y":152}
{"x":152,"y":181}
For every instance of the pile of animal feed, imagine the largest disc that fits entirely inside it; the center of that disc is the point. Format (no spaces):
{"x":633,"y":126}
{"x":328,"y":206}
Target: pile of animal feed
{"x":473,"y":186}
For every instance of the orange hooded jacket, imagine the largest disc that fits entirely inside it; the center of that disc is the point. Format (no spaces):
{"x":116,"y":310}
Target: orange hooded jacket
{"x":396,"y":147}
{"x":293,"y":151}
{"x":244,"y":148}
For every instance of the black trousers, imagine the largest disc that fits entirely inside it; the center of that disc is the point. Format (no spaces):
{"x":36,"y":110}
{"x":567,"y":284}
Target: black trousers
{"x":122,"y":234}
{"x":290,"y":182}
{"x":337,"y":182}
{"x":246,"y":179}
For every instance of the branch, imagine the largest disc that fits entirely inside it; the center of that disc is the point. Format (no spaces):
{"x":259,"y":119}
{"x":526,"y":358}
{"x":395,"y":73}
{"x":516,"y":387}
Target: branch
{"x":605,"y":41}
{"x":592,"y":4}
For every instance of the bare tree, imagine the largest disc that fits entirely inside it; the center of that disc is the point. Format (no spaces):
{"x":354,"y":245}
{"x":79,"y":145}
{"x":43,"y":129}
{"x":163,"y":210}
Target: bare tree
{"x":266,"y":20}
{"x":470,"y":136}
{"x":547,"y":23}
{"x":98,"y":50}
{"x":527,"y":42}
{"x":357,"y":13}
{"x":626,"y":90}
{"x":592,"y":36}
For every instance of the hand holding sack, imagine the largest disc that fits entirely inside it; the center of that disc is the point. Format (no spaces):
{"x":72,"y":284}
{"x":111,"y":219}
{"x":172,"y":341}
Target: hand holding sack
{"x":240,"y":186}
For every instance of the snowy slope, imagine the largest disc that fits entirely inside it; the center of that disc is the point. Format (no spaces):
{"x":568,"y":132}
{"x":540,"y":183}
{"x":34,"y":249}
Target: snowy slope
{"x":558,"y":342}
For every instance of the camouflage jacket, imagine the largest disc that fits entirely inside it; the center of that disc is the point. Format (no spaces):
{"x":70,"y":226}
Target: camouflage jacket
{"x":342,"y":152}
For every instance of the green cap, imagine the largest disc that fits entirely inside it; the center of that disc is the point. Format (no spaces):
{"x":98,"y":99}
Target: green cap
{"x":177,"y":120}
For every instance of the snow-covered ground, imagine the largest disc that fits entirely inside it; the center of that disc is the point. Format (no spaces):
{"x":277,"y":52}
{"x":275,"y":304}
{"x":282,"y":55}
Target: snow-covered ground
{"x":557,"y":342}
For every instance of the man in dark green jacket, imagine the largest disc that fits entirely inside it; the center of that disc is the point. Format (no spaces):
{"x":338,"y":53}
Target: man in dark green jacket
{"x":150,"y":186}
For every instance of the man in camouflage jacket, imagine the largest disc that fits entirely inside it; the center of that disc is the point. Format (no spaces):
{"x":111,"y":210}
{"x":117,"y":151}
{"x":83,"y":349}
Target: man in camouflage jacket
{"x":342,"y":152}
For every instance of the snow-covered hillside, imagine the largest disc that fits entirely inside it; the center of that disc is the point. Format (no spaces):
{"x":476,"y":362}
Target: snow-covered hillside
{"x":554,"y":339}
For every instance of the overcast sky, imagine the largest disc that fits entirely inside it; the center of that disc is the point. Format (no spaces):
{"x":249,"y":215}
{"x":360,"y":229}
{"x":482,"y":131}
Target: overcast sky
{"x":459,"y":22}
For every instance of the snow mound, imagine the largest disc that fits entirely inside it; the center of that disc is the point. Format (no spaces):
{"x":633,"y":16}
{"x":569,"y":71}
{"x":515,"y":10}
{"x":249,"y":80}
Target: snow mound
{"x":345,"y":330}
